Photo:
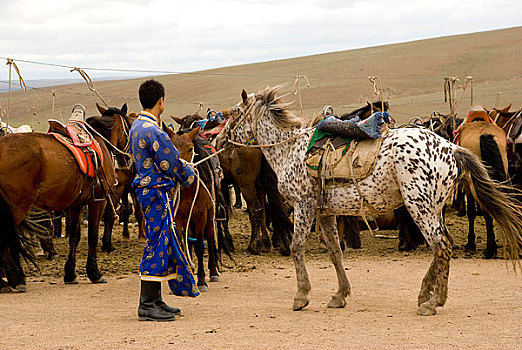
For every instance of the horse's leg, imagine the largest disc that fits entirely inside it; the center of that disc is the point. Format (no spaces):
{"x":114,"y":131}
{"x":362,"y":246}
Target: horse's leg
{"x":491,"y":246}
{"x":437,"y":276}
{"x":329,"y":229}
{"x":461,"y":200}
{"x":341,"y":223}
{"x":303,"y":218}
{"x":472,"y":214}
{"x":138,"y":214}
{"x":237,"y":192}
{"x":255,"y":212}
{"x":199,"y":247}
{"x":265,"y":239}
{"x":73,"y":230}
{"x":57,"y":225}
{"x":212,"y":251}
{"x":96,"y":209}
{"x":108,"y":220}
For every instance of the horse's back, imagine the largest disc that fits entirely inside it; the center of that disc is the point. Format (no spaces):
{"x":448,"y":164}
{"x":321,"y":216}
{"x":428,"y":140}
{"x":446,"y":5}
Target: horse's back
{"x":470,"y":137}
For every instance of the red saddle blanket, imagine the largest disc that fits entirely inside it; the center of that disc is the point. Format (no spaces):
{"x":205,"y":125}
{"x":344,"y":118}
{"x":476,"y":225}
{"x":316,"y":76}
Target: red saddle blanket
{"x":83,"y":155}
{"x":205,"y":134}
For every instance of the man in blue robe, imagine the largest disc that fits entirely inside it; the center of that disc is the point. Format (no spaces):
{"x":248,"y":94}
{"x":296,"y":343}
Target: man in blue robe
{"x":159,"y":168}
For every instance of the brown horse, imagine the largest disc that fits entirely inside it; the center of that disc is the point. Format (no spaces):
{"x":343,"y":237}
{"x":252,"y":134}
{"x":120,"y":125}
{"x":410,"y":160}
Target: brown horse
{"x":39,"y":171}
{"x":511,"y":123}
{"x":202,"y":217}
{"x":488,"y":141}
{"x":118,"y":136}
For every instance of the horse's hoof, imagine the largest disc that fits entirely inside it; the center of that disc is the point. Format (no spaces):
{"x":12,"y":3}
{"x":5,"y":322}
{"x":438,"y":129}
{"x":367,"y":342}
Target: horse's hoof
{"x":21,"y":288}
{"x":337,"y":303}
{"x":489,"y":254}
{"x":423,"y":298}
{"x":300,"y":303}
{"x":73,"y":281}
{"x":203,"y":288}
{"x":251,"y":251}
{"x":5,"y":288}
{"x":426,"y":309}
{"x":100,"y":280}
{"x":52,"y":256}
{"x":470,"y":247}
{"x":108,"y":249}
{"x":214,"y":278}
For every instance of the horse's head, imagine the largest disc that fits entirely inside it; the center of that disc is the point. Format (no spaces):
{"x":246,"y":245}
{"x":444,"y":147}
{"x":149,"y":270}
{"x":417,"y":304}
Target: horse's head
{"x":262,"y":108}
{"x":183,"y":141}
{"x":501,"y":116}
{"x":114,"y":125}
{"x":187,"y":121}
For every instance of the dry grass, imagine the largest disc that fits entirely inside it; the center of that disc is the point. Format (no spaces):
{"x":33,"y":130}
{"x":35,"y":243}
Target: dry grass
{"x":412,"y":74}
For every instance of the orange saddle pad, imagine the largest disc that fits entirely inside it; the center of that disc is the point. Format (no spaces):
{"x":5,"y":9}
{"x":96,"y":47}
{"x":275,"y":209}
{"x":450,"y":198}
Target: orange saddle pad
{"x":83,"y":155}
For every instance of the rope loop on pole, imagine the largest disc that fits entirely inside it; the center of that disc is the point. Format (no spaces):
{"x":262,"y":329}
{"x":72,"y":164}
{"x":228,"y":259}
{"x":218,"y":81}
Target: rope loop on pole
{"x":297,"y":90}
{"x":90,"y":83}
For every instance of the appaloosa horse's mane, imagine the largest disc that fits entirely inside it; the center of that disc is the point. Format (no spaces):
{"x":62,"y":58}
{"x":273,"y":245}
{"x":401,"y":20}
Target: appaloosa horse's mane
{"x":277,"y":109}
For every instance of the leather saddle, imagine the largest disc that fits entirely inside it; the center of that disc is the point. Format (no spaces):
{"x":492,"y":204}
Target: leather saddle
{"x":78,"y":140}
{"x":349,"y":162}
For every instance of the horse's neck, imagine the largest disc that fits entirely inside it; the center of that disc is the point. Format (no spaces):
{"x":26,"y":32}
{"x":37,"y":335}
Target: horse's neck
{"x":281,"y":156}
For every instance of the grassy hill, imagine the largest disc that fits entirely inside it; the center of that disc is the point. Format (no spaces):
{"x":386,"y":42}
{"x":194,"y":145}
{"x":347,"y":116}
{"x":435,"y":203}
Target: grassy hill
{"x":412,"y":74}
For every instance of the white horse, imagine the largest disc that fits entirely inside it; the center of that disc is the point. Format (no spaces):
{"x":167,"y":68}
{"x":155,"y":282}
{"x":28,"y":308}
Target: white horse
{"x":415,"y":167}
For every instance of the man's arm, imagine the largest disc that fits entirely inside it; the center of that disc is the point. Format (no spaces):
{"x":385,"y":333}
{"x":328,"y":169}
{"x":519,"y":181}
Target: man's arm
{"x":167,"y":159}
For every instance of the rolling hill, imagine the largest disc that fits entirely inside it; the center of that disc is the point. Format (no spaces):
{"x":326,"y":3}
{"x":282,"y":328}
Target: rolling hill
{"x":412,"y":74}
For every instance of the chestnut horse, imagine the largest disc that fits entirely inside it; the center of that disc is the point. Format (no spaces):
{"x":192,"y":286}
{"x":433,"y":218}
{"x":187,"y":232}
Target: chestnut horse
{"x":249,"y":173}
{"x":39,"y":171}
{"x":489,"y":143}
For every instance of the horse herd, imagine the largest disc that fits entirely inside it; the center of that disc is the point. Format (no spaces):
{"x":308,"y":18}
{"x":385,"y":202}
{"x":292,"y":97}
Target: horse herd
{"x":416,"y":172}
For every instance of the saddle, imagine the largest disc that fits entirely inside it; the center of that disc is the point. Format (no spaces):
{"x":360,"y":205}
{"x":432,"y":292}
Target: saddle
{"x":352,"y":161}
{"x":345,"y":150}
{"x":77,"y":139}
{"x":475,"y":115}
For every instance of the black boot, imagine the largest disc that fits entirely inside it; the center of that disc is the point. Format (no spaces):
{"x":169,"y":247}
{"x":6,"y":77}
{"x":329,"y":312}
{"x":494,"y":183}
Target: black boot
{"x":149,"y":310}
{"x":164,"y":306}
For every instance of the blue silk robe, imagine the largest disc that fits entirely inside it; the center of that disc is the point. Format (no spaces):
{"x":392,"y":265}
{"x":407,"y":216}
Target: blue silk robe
{"x":158,"y":169}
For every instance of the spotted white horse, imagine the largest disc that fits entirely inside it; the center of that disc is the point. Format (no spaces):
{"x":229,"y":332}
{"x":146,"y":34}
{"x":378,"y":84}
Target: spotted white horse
{"x":415,"y":167}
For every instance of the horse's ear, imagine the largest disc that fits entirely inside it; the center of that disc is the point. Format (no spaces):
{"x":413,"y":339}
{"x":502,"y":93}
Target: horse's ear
{"x":244,"y":96}
{"x":166,"y":128}
{"x":177,"y":120}
{"x":124,"y":109}
{"x":506,"y":110}
{"x":192,"y":134}
{"x":101,"y":109}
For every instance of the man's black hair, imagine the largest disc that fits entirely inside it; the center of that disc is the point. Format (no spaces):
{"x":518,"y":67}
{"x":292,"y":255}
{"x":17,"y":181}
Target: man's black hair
{"x":150,"y":92}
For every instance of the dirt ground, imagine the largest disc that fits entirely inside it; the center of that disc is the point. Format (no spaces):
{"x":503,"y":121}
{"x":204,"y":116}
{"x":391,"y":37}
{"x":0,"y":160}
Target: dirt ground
{"x":251,"y":306}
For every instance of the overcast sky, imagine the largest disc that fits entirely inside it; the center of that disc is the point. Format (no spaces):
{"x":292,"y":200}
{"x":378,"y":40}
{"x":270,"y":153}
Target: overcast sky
{"x":174,"y":35}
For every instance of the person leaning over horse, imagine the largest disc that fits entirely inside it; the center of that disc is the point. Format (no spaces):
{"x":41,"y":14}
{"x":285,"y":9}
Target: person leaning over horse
{"x":159,"y":168}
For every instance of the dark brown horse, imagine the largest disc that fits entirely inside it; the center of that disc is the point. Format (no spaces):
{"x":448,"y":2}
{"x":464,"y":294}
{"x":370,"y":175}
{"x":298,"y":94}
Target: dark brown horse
{"x":199,"y":198}
{"x":249,"y":173}
{"x":118,"y":136}
{"x":39,"y":171}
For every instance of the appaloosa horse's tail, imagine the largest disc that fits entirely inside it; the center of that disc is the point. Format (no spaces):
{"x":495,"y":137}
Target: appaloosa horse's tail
{"x":497,"y":198}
